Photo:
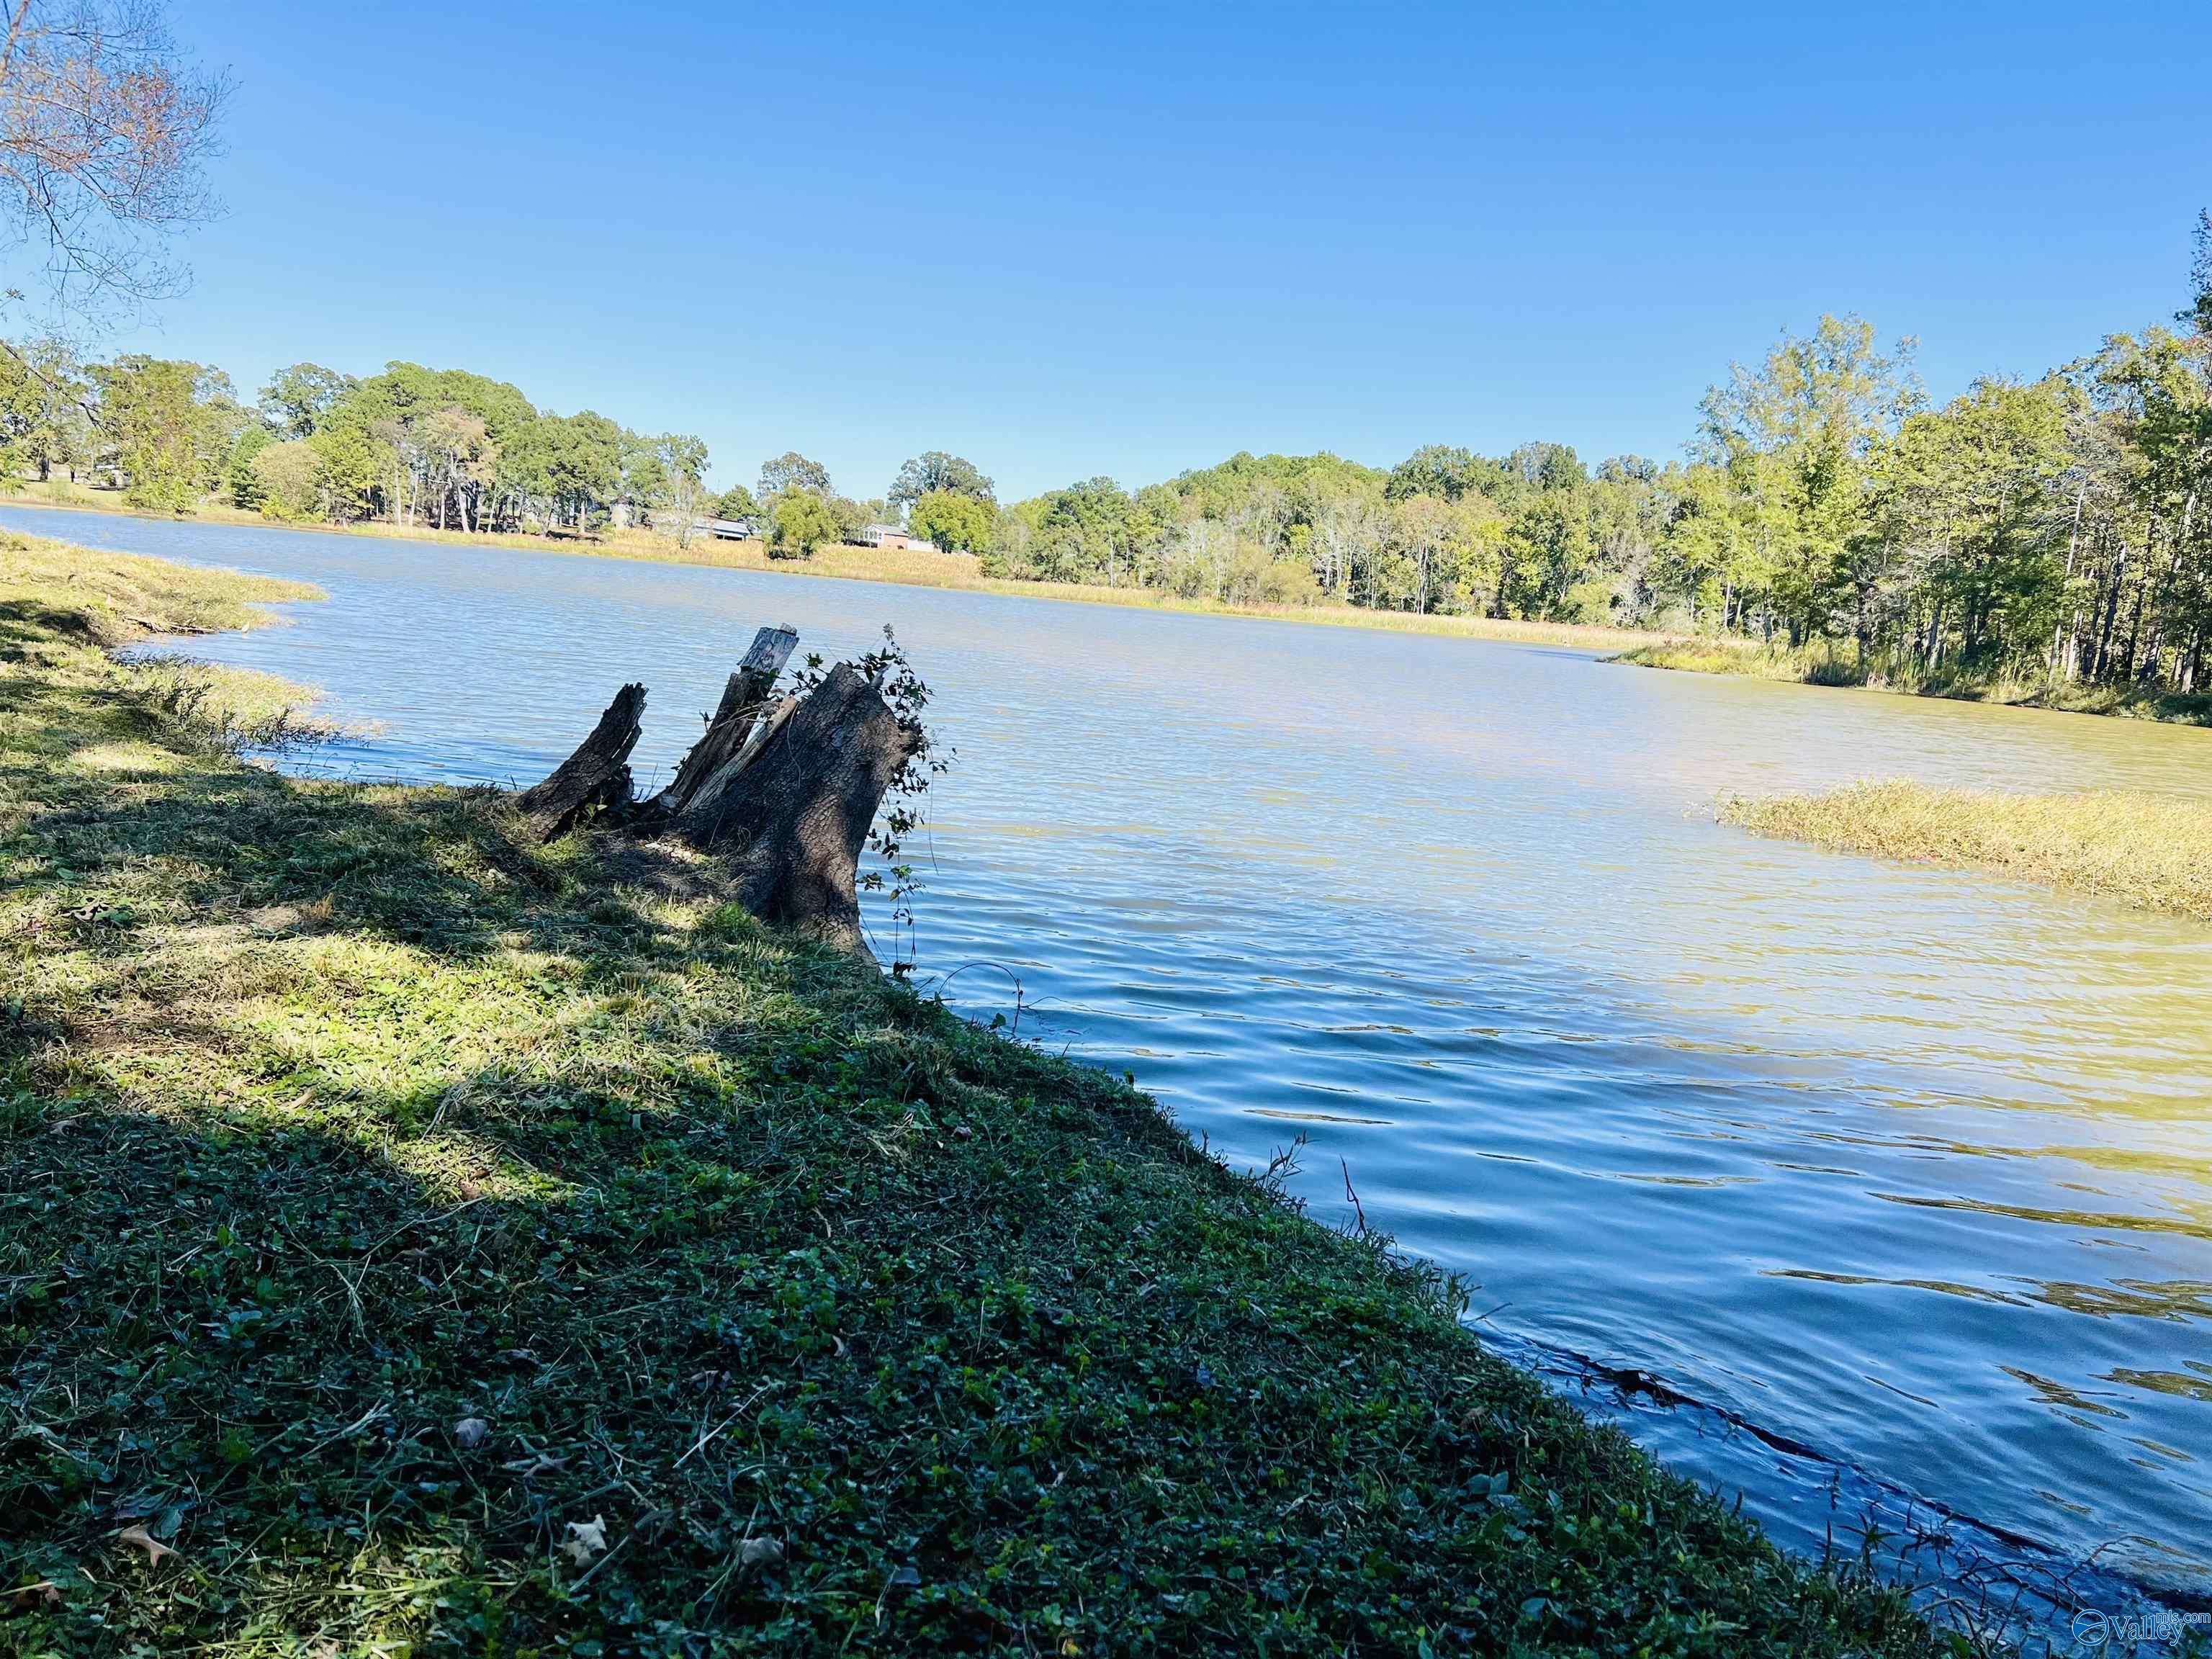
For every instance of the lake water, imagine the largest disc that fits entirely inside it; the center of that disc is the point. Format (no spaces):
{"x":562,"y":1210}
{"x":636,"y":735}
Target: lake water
{"x":1904,"y":1174}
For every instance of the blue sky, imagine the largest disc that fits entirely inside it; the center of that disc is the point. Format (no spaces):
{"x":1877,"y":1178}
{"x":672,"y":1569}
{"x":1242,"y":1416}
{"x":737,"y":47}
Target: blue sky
{"x":1134,"y":238}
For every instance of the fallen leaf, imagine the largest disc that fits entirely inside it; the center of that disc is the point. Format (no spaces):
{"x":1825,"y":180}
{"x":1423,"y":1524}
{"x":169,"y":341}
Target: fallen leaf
{"x":904,"y":1578}
{"x":44,"y":1593}
{"x":586,"y":1539}
{"x":139,"y":1539}
{"x":468,"y":1433}
{"x":754,"y":1551}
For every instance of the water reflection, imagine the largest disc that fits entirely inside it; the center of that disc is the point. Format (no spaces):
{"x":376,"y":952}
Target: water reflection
{"x":1910,"y":1168}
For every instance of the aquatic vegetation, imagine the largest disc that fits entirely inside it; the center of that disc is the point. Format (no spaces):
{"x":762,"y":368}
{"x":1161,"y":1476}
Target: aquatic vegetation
{"x":2145,"y":850}
{"x":418,"y":1239}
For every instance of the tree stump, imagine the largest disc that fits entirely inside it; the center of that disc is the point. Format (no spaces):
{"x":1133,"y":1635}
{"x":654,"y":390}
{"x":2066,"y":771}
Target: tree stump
{"x":786,"y":791}
{"x":596,"y":775}
{"x":796,"y":813}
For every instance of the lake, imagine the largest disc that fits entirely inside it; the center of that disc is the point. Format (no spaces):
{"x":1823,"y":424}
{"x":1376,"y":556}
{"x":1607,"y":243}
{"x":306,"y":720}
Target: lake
{"x":1904,"y":1176}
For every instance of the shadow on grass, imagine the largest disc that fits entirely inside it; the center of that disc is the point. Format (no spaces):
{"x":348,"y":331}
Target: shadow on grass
{"x":26,"y":621}
{"x":886,"y":1345}
{"x":444,"y":871}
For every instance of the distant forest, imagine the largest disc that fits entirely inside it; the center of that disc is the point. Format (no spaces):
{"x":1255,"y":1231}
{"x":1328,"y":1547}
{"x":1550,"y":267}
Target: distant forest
{"x":2050,"y":528}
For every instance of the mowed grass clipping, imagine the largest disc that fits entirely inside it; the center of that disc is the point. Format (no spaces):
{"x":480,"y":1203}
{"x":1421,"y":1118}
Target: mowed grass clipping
{"x":414,"y":1241}
{"x":2149,"y":851}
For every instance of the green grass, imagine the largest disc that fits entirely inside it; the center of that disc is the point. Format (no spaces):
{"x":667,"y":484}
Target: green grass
{"x":1830,"y":665}
{"x":392,"y":1212}
{"x":2148,"y":851}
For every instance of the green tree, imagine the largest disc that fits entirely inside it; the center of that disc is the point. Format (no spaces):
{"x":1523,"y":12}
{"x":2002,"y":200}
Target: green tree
{"x":351,"y":465}
{"x":1547,"y":551}
{"x":45,"y":398}
{"x":957,"y":522}
{"x":850,"y":516}
{"x":1968,"y":526}
{"x":169,"y":424}
{"x":799,"y":523}
{"x":239,"y":475}
{"x":289,"y":479}
{"x":793,"y":471}
{"x":1797,"y":435}
{"x":1446,"y":472}
{"x":296,"y":399}
{"x":1708,"y":556}
{"x":682,"y":462}
{"x":934,"y":473}
{"x":460,"y":460}
{"x":736,"y":502}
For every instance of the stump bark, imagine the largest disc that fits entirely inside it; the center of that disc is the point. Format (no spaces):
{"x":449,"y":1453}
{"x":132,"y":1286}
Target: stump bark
{"x":743,"y":700}
{"x":794,"y":812}
{"x":786,"y":789}
{"x":596,"y":775}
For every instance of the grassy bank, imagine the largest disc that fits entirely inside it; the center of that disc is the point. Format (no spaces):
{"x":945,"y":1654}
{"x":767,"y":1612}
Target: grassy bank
{"x":1822,"y":665}
{"x":2143,"y":850}
{"x":413,"y":1240}
{"x":915,"y":568}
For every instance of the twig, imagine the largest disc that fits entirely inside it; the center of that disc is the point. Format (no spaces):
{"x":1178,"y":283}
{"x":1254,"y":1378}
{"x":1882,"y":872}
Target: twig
{"x":1353,"y":1196}
{"x":724,"y":1424}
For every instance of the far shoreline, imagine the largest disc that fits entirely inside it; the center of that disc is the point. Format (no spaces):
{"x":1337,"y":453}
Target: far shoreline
{"x":952,"y":572}
{"x":1747,"y":659}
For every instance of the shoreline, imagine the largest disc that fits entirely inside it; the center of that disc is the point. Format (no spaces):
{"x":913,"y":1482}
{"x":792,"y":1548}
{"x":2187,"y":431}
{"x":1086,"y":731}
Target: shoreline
{"x":941,"y":571}
{"x":910,"y":1317}
{"x":1745,"y":660}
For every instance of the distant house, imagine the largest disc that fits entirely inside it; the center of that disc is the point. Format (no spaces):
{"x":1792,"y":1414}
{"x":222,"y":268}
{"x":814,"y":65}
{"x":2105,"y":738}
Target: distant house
{"x":889,"y":538}
{"x":732,"y":530}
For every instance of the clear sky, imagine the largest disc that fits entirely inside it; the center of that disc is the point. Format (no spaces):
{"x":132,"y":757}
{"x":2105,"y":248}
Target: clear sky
{"x":1133,"y":238}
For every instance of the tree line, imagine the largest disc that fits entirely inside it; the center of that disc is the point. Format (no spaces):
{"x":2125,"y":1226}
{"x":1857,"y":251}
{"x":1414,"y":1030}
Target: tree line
{"x":419,"y":447}
{"x":2055,"y":527}
{"x":2058,"y":528}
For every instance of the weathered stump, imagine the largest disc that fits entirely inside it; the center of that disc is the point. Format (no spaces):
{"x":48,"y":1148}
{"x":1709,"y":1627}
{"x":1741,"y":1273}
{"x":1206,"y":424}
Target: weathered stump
{"x":795,"y":815}
{"x":596,"y":775}
{"x":743,"y":699}
{"x":787,"y":790}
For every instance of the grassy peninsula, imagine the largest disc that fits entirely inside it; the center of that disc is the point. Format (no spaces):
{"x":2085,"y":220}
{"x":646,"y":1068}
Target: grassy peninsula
{"x":2143,"y":850}
{"x":415,"y":1240}
{"x":1829,"y":663}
